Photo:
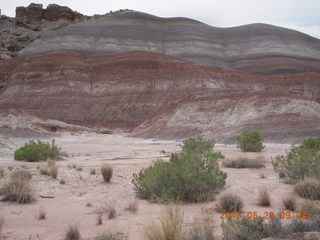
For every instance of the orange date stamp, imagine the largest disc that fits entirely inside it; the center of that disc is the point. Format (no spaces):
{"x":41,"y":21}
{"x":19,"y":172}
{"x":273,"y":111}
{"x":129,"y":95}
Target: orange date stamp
{"x":264,"y":215}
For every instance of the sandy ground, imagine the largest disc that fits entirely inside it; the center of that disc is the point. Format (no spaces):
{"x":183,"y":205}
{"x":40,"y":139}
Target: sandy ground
{"x":127,"y":156}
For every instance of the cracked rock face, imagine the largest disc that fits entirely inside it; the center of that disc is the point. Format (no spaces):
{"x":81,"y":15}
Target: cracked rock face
{"x":258,"y":48}
{"x":156,"y":96}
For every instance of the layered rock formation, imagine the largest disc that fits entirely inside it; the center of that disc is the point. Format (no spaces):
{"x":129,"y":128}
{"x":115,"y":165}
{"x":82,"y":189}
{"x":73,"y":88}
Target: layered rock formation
{"x":258,"y":48}
{"x":153,"y":95}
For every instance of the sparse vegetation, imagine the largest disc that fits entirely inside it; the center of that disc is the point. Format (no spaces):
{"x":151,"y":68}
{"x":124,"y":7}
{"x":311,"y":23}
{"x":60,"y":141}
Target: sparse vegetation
{"x":301,"y":161}
{"x":192,"y":175}
{"x":34,"y":151}
{"x":169,"y":227}
{"x":276,"y":228}
{"x":19,"y":188}
{"x":1,"y":226}
{"x":109,"y":235}
{"x":92,"y":171}
{"x":72,"y":233}
{"x":264,"y":197}
{"x":79,"y":169}
{"x":229,"y":202}
{"x":108,"y":209}
{"x":107,"y":172}
{"x":202,"y":229}
{"x":1,"y":173}
{"x":244,"y":162}
{"x":290,"y":202}
{"x":309,"y":208}
{"x":132,"y":207}
{"x":308,"y":188}
{"x":51,"y":169}
{"x":250,"y":141}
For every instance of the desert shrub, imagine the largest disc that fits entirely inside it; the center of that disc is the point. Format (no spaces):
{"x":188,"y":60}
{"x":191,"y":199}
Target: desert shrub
{"x":109,"y":235}
{"x":264,"y":197}
{"x":1,"y":226}
{"x":308,"y":188}
{"x":34,"y":151}
{"x":72,"y":233}
{"x":250,"y":141}
{"x":54,"y":170}
{"x":51,"y":169}
{"x":18,"y":189}
{"x":229,"y":202}
{"x":107,"y":172}
{"x":301,"y":161}
{"x":290,"y":203}
{"x":169,"y":227}
{"x":197,"y":144}
{"x":244,"y":163}
{"x":191,"y":175}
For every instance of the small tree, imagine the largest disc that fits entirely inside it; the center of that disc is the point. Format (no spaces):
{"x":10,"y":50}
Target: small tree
{"x":250,"y":141}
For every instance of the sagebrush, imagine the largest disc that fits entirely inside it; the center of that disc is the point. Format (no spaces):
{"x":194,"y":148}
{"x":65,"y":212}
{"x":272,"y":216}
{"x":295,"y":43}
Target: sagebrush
{"x":192,"y":175}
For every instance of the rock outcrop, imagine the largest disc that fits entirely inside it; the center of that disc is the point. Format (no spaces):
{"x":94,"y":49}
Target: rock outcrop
{"x":153,"y":95}
{"x":257,"y":48}
{"x":30,"y":22}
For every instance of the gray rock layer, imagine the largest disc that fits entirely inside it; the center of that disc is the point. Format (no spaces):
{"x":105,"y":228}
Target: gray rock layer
{"x":258,"y":48}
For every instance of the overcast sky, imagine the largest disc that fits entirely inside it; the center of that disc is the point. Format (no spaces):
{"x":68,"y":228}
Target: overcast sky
{"x":301,"y":15}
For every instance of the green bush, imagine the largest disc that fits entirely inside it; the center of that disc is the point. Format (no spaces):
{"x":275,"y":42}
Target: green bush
{"x":34,"y":151}
{"x":244,"y":162}
{"x":191,"y":175}
{"x":197,"y":144}
{"x":250,"y":141}
{"x":302,"y":161}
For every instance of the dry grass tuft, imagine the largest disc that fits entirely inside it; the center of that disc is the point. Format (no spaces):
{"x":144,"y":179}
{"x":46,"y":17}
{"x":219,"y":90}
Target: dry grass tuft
{"x":44,"y":170}
{"x":1,"y":173}
{"x":108,"y":209}
{"x":244,"y":162}
{"x":169,"y":227}
{"x":79,"y":169}
{"x":42,"y":214}
{"x":229,"y":202}
{"x":132,"y":207}
{"x":107,"y":172}
{"x":99,"y":219}
{"x":110,"y":235}
{"x":308,"y":188}
{"x":1,"y":226}
{"x":202,"y":229}
{"x":290,"y":203}
{"x":309,"y":208}
{"x":19,"y":188}
{"x":53,"y":170}
{"x":264,"y":197}
{"x":92,"y":171}
{"x":72,"y":233}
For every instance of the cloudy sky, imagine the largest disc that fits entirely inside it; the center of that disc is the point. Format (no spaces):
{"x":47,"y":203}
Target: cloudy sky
{"x":302,"y":15}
